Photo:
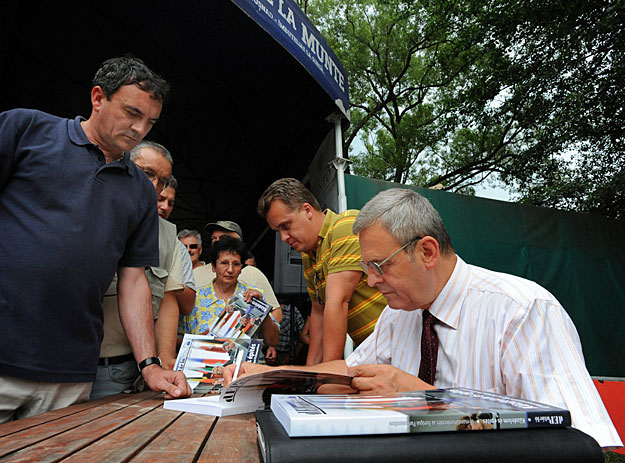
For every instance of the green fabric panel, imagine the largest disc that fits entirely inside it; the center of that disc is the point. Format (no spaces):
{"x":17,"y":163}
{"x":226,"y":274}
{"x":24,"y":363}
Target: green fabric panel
{"x":580,"y":258}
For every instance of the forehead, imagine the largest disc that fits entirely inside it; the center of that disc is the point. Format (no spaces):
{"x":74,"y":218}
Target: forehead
{"x":168,"y":193}
{"x":229,"y":256}
{"x":189,"y":239}
{"x":154,"y":160}
{"x":279,"y":213}
{"x":132,"y":95}
{"x":376,"y":243}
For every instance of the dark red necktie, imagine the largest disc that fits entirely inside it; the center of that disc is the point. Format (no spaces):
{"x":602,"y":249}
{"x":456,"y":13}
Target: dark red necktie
{"x":429,"y":349}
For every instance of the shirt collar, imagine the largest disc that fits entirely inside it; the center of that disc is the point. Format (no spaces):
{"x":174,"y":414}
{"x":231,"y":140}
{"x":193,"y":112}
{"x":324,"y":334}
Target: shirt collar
{"x":448,"y":304}
{"x":323,"y":233}
{"x":78,"y":136}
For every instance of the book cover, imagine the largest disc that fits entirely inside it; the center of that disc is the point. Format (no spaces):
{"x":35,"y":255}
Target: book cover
{"x":252,"y":392}
{"x":239,"y":318}
{"x":514,"y":445}
{"x":454,"y":409}
{"x":202,"y":358}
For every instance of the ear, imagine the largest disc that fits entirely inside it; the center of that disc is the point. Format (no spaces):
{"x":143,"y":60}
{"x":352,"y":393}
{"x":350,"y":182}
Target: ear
{"x":97,"y":97}
{"x":430,"y":251}
{"x":308,"y":210}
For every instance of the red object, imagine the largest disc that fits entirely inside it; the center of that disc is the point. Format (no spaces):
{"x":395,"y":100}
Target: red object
{"x":613,"y":395}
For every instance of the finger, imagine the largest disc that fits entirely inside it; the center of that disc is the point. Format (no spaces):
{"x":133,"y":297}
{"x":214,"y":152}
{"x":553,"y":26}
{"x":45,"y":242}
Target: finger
{"x":361,"y":370}
{"x":228,"y":372}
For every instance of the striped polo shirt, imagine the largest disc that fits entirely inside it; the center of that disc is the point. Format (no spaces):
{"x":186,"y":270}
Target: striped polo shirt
{"x":338,"y":250}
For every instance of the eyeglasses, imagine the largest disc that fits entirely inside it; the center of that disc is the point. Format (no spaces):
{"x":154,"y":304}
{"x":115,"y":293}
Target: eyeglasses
{"x":162,"y":183}
{"x":377,"y":268}
{"x":191,"y":246}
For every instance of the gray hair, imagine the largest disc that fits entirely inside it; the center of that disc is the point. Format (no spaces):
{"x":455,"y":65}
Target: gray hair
{"x":136,"y":151}
{"x":186,"y":232}
{"x":173,"y":183}
{"x":405,"y":214}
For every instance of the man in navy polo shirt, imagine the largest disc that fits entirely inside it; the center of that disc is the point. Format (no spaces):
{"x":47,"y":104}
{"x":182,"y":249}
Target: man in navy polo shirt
{"x":73,"y":210}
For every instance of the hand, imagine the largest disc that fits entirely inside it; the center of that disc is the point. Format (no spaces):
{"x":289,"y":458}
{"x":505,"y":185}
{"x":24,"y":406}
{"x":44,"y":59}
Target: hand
{"x":379,"y":379}
{"x":167,"y":362}
{"x":247,"y":368}
{"x":173,"y":383}
{"x":250,"y":293}
{"x":271,"y":354}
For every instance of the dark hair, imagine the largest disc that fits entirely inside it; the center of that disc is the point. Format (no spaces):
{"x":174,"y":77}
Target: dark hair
{"x":173,"y":183}
{"x":117,"y":72}
{"x":227,"y":244}
{"x":290,"y":191}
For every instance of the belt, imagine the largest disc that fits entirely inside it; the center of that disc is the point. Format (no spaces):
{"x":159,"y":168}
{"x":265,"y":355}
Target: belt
{"x":115,"y":360}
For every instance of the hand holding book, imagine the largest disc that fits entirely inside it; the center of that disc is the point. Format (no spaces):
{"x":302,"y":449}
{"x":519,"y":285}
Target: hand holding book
{"x":382,"y":379}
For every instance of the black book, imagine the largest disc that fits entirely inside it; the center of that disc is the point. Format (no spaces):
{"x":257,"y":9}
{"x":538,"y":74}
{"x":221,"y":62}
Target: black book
{"x":563,"y":444}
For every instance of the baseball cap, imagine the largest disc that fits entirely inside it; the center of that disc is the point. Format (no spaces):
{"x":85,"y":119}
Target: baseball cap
{"x":226,"y":225}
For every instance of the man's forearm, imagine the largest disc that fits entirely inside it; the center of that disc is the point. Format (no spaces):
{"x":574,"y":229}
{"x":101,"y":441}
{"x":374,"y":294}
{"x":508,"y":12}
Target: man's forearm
{"x":334,"y":330}
{"x":166,"y":328}
{"x":135,"y":311}
{"x":185,"y":300}
{"x":315,"y":349}
{"x":270,"y":332}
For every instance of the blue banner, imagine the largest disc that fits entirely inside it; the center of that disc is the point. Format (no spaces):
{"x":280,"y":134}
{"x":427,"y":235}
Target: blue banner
{"x":287,"y":24}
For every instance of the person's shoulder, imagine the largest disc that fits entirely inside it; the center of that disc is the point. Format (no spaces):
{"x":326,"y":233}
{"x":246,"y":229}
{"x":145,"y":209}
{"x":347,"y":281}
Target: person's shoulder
{"x":29,"y":116}
{"x":519,"y":289}
{"x":165,"y":226}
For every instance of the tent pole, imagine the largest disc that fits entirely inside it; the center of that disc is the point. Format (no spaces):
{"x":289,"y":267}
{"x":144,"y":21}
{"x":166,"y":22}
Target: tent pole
{"x":340,"y":164}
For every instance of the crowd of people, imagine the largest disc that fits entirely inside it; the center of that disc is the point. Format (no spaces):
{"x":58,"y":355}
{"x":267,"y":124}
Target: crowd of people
{"x":97,"y":295}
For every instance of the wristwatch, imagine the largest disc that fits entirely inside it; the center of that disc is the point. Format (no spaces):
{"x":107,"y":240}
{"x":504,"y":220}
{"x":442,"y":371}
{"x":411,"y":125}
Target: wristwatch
{"x":149,"y":361}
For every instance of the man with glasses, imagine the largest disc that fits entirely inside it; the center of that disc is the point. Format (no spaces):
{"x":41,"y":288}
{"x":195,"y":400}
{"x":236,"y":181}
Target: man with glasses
{"x":451,"y":324}
{"x":342,"y":303}
{"x":116,"y":369}
{"x":81,"y":211}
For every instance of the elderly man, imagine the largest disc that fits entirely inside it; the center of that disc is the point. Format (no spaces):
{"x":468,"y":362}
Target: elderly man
{"x":341,"y":300}
{"x":185,"y":298}
{"x":192,"y":240}
{"x":449,"y":323}
{"x":80,"y":210}
{"x":116,"y":368}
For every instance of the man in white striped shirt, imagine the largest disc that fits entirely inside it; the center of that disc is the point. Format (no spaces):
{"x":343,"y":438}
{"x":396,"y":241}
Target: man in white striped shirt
{"x":496,"y":332}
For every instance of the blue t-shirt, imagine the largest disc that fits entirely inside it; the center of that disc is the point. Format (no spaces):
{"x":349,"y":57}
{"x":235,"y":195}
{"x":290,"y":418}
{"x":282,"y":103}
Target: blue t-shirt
{"x":67,"y":221}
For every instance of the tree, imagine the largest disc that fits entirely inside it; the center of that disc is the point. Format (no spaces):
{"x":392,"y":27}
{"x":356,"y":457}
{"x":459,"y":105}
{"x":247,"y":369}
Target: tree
{"x":454,"y":93}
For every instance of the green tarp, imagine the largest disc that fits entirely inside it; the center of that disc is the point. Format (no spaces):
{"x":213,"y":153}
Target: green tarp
{"x":580,"y":258}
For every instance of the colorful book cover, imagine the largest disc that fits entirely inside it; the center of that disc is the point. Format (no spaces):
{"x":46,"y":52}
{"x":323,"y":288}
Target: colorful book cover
{"x":202,"y":359}
{"x":239,"y":318}
{"x":454,"y":409}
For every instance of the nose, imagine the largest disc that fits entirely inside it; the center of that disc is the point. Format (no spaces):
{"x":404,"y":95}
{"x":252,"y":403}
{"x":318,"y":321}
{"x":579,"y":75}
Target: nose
{"x":141,"y":127}
{"x":373,"y":278}
{"x":284,"y":236}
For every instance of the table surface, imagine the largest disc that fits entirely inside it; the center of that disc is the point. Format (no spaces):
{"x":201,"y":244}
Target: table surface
{"x":128,"y":428}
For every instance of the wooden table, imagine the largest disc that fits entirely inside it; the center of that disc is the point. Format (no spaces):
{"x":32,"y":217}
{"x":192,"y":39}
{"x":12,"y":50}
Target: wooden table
{"x":128,"y":428}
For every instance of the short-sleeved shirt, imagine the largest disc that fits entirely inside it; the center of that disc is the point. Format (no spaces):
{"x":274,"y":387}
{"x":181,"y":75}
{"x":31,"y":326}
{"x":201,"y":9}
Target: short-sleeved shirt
{"x":166,"y":277}
{"x":338,"y":250}
{"x":67,"y":221}
{"x":207,"y":307}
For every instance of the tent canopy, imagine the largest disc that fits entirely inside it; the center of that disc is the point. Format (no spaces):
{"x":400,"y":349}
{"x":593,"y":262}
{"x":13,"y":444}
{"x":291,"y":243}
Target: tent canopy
{"x":243,"y":110}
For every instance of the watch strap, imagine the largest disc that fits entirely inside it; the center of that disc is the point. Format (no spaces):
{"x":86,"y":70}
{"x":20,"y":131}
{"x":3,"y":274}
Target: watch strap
{"x":149,"y":361}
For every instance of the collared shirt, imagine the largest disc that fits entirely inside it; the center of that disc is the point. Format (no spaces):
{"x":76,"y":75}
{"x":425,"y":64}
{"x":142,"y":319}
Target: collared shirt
{"x":338,"y":250}
{"x":497,"y":333}
{"x":67,"y":221}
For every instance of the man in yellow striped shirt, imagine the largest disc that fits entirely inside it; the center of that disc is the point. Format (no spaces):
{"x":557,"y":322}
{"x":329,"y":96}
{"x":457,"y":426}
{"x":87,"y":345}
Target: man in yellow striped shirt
{"x":342,"y":302}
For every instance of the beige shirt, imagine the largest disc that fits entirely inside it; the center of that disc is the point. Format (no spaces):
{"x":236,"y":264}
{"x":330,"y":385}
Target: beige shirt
{"x":250,"y":275}
{"x":166,"y":277}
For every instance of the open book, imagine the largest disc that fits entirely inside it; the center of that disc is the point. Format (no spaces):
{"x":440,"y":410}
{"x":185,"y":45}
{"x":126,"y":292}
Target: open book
{"x":252,"y":392}
{"x":454,"y":409}
{"x":202,"y":359}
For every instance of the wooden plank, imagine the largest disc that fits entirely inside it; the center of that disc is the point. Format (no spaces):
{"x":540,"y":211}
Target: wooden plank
{"x":233,"y":440}
{"x":14,"y":426}
{"x":126,"y":442}
{"x":179,"y":443}
{"x":30,"y":435}
{"x":73,"y":440}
